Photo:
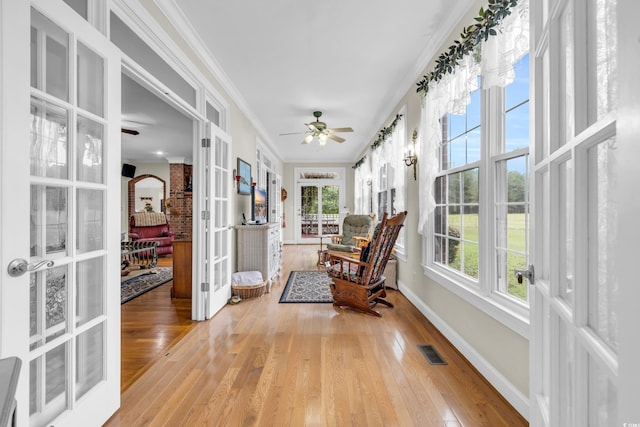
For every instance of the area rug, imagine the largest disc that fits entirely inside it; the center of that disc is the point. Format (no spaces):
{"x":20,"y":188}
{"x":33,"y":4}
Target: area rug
{"x":307,"y":287}
{"x":131,"y":287}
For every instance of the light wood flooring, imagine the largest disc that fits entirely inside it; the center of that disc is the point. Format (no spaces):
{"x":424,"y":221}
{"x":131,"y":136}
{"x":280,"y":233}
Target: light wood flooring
{"x":261,"y":363}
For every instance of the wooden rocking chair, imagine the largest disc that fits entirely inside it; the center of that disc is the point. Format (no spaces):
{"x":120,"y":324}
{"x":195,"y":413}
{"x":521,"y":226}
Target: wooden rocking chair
{"x":360,"y":284}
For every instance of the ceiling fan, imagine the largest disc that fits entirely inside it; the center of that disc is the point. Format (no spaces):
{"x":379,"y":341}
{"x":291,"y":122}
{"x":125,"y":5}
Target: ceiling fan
{"x":319,"y":129}
{"x":132,"y":123}
{"x":130,"y":131}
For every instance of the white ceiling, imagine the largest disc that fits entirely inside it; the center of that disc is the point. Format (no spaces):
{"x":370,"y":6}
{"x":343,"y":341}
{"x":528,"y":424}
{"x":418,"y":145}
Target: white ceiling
{"x":162,"y":128}
{"x":351,"y":59}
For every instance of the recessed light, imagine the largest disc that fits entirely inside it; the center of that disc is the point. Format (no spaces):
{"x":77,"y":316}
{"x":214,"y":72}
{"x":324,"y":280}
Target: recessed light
{"x":159,"y":153}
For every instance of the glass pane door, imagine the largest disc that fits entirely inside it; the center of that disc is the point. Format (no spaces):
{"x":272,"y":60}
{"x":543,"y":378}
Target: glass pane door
{"x":71,"y":354}
{"x":220,"y":228}
{"x":319,"y":210}
{"x":309,"y":216}
{"x":574,"y":337}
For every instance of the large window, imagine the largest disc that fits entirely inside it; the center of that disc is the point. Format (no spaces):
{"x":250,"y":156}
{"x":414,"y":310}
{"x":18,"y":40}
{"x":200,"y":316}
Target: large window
{"x":389,"y":178}
{"x":456,"y":229}
{"x":481,"y":216}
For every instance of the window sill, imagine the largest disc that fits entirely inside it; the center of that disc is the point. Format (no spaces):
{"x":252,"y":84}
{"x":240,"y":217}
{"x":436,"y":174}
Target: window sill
{"x":516,"y":320}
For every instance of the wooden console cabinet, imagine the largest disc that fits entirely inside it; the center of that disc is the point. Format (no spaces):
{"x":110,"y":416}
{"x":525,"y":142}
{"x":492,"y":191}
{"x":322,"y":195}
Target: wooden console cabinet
{"x":181,"y":269}
{"x":259,"y":249}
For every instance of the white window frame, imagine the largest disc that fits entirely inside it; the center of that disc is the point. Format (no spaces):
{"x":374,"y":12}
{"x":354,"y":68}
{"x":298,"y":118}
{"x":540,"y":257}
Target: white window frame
{"x":483,"y":293}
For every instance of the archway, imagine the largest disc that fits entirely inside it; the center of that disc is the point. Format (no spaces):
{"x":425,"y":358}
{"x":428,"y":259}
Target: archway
{"x":132,"y":192}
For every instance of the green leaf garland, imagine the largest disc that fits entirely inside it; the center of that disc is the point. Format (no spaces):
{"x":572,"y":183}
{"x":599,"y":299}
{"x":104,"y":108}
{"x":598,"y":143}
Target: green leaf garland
{"x":359,"y":163}
{"x":385,"y":133}
{"x":470,"y":38}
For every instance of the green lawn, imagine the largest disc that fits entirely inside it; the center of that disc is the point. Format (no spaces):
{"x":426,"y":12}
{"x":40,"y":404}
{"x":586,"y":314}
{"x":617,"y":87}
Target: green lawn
{"x":516,"y":241}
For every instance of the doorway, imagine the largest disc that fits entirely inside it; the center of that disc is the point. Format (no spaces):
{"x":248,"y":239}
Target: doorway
{"x":320,"y":203}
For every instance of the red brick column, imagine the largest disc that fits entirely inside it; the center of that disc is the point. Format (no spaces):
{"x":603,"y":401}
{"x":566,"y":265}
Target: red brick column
{"x":180,"y":213}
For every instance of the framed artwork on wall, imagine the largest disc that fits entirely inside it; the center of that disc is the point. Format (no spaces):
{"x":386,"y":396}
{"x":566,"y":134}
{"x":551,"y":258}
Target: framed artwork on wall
{"x":244,"y":172}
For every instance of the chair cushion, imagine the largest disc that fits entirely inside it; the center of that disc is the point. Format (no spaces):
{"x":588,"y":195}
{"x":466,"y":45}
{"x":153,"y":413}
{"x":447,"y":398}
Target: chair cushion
{"x":337,"y":270}
{"x":355,"y":225}
{"x":341,"y":248}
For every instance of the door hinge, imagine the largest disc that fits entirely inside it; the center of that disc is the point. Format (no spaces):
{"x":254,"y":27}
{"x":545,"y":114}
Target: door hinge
{"x":204,"y":286}
{"x":206,"y":142}
{"x":205,"y":215}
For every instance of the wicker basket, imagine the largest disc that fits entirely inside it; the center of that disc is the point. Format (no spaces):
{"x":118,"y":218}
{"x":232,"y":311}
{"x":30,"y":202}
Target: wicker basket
{"x":249,"y":291}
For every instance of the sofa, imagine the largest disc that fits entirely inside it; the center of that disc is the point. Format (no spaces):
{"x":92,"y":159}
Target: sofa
{"x":152,"y":227}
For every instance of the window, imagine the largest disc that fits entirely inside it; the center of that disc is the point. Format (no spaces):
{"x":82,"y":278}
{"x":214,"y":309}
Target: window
{"x":362,"y":191}
{"x":481,"y":216}
{"x":388,"y":184}
{"x":510,"y":163}
{"x":456,"y":231}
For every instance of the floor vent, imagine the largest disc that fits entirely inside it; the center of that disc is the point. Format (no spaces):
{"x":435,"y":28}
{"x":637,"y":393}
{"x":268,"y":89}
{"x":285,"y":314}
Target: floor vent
{"x":433,"y":357}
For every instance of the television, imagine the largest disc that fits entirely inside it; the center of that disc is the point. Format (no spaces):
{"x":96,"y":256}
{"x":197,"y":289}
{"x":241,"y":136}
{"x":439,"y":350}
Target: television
{"x":259,"y":204}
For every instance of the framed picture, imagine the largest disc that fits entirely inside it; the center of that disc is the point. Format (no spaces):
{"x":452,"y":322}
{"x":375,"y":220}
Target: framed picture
{"x":244,"y":172}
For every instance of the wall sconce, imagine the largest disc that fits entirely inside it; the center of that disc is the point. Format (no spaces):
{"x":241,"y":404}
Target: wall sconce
{"x":410,"y":159}
{"x":236,"y":178}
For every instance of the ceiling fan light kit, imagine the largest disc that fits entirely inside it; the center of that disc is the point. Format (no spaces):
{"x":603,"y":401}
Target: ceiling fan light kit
{"x":319,"y":130}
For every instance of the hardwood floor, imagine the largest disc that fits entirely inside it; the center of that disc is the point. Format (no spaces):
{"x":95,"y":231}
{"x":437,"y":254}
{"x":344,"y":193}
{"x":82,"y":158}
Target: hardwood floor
{"x":263,"y":363}
{"x":151,"y":324}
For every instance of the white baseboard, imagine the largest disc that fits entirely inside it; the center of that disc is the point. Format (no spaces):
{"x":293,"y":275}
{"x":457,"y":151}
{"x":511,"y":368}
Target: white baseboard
{"x":514,"y":396}
{"x":288,"y":242}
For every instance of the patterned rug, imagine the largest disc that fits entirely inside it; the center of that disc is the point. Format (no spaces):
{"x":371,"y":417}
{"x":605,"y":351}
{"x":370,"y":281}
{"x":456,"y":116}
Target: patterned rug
{"x":307,"y":286}
{"x":131,"y":287}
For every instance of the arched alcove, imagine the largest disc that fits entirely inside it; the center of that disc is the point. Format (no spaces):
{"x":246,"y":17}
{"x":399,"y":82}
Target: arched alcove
{"x":132,"y":192}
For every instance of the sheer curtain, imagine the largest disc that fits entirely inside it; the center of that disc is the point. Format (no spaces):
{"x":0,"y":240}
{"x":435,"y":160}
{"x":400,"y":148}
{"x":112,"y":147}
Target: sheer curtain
{"x":377,"y":160}
{"x":453,"y":93}
{"x":358,"y":193}
{"x":398,"y":170}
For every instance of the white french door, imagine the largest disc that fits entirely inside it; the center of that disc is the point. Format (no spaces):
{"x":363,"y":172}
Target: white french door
{"x":60,"y":164}
{"x":215,"y":222}
{"x":574,"y":340}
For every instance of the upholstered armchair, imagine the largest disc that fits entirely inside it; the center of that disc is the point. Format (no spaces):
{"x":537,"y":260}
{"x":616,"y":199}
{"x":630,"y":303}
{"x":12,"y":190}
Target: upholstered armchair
{"x":152,"y":227}
{"x":355,"y":228}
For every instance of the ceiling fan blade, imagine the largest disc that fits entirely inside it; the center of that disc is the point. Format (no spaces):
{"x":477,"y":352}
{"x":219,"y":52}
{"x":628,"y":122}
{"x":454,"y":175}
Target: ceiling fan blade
{"x":335,"y":137}
{"x":292,"y":133}
{"x":130,"y":131}
{"x":340,"y":130}
{"x":312,"y":127}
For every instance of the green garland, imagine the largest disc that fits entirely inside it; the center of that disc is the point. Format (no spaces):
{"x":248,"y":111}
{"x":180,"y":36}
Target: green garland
{"x":359,"y":163}
{"x":471,"y":37}
{"x":385,"y":133}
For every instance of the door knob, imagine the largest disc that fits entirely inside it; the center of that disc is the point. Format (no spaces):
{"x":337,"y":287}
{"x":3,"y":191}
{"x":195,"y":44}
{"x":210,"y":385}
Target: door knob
{"x":529,"y":274}
{"x":19,"y":266}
